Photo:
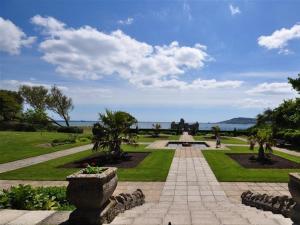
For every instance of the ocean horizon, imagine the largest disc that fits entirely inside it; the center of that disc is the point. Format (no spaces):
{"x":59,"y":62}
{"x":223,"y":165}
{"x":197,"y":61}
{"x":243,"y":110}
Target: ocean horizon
{"x":167,"y":125}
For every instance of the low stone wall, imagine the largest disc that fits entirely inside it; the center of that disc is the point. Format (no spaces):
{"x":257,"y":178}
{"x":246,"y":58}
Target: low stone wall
{"x":120,"y":203}
{"x":276,"y":204}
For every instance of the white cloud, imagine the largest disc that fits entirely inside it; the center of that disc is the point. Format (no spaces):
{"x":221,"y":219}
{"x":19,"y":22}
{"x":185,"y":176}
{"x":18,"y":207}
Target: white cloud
{"x":15,"y":84}
{"x":87,"y":53}
{"x":12,"y":38}
{"x":127,"y":21}
{"x":255,"y":103}
{"x":279,"y":39}
{"x":234,"y":10}
{"x":275,"y":88}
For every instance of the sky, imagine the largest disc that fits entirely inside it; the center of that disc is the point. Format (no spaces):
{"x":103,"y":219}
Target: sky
{"x":204,"y":61}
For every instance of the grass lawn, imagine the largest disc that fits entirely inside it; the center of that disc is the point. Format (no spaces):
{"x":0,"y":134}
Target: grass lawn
{"x":224,"y":140}
{"x":226,"y":169}
{"x":154,"y":167}
{"x":149,"y":138}
{"x":20,"y":145}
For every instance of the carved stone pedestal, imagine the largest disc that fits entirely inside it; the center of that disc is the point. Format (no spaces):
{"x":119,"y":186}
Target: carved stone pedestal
{"x":90,"y":194}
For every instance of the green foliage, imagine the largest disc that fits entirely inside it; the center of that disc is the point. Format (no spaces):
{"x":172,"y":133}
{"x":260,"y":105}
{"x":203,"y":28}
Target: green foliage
{"x":292,"y":136}
{"x":28,"y":198}
{"x":75,"y":130}
{"x":35,"y":96}
{"x":36,"y":117}
{"x":216,"y":130}
{"x":60,"y":104}
{"x":156,"y":128}
{"x":113,"y":130}
{"x":16,"y":126}
{"x":295,"y":83}
{"x":10,"y":105}
{"x":92,"y":170}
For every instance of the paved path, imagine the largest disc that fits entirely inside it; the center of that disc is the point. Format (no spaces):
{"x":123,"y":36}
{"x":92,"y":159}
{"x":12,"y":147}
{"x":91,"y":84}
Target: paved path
{"x":41,"y":158}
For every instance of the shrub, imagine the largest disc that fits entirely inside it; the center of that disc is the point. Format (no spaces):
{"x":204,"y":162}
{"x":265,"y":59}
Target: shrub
{"x":290,"y":135}
{"x":25,"y":197}
{"x":16,"y":126}
{"x":76,"y":130}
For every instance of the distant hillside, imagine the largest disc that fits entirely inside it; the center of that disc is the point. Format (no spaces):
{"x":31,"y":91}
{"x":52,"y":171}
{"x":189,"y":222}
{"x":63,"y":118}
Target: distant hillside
{"x":240,"y":120}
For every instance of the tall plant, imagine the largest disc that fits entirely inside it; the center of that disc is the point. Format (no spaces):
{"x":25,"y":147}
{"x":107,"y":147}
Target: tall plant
{"x":156,"y":128}
{"x":264,"y":138}
{"x":112,"y":130}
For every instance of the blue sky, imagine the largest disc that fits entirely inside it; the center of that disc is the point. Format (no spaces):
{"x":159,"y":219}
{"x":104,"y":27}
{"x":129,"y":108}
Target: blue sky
{"x":159,"y":60}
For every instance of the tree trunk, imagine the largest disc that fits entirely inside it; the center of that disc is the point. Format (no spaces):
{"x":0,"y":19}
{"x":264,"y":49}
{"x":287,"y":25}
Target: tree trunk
{"x":261,"y":153}
{"x":53,"y":121}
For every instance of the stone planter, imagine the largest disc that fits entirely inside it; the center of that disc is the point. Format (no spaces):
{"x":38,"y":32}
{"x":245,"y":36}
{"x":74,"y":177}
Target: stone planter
{"x":294,"y":188}
{"x":90,"y":194}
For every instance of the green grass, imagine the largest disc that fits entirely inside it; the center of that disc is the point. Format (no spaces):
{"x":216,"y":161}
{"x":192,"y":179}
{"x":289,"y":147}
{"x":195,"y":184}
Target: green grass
{"x":154,"y":167}
{"x":224,"y":140}
{"x":227,"y":170}
{"x":20,"y":145}
{"x":149,"y":138}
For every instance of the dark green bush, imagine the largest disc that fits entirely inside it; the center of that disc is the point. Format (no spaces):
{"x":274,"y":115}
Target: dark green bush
{"x":16,"y":126}
{"x":289,"y":135}
{"x":76,"y":130}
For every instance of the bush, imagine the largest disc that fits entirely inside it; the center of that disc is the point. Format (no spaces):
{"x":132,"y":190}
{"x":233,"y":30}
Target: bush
{"x":289,"y":135}
{"x":76,"y":130}
{"x":16,"y":126}
{"x":25,"y":197}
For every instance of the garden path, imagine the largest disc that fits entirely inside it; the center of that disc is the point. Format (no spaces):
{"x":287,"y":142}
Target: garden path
{"x":5,"y":167}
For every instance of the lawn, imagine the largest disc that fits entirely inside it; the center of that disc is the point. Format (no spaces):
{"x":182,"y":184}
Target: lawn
{"x":149,"y":138}
{"x":226,"y":169}
{"x":224,"y":140}
{"x":20,"y":145}
{"x":154,"y":167}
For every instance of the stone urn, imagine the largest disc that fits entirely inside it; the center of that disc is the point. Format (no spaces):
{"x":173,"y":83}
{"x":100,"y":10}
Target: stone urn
{"x":90,"y":194}
{"x":294,"y":188}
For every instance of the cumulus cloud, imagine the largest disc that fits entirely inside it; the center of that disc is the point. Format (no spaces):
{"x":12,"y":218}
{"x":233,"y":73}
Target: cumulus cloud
{"x":275,"y":88}
{"x":12,"y":38}
{"x":127,"y":21}
{"x":234,"y":10}
{"x":279,"y":39}
{"x":87,"y":53}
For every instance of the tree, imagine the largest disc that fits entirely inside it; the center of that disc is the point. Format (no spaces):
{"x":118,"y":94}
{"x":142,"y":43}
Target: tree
{"x":156,"y":128}
{"x":216,"y":130}
{"x":59,"y":103}
{"x":11,"y":104}
{"x":264,"y":138}
{"x":35,"y":96}
{"x":295,"y":83}
{"x":36,"y":117}
{"x":112,"y":130}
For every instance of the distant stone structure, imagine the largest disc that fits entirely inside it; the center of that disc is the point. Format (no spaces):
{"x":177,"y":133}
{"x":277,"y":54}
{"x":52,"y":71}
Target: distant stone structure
{"x":182,"y":126}
{"x":276,"y":204}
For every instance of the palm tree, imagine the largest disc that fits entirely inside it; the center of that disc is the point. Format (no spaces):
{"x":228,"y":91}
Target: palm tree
{"x":216,"y":130}
{"x":264,"y":138}
{"x":112,"y":130}
{"x":156,"y":128}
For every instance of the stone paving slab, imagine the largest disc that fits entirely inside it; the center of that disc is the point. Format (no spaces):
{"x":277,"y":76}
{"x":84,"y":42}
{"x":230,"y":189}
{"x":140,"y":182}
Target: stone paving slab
{"x":234,"y":190}
{"x":5,"y":167}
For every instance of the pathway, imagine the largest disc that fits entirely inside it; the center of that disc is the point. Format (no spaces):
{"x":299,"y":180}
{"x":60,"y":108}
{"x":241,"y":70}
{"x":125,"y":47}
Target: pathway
{"x":41,"y":158}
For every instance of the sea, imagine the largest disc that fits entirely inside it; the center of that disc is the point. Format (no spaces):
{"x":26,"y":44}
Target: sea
{"x":167,"y":125}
